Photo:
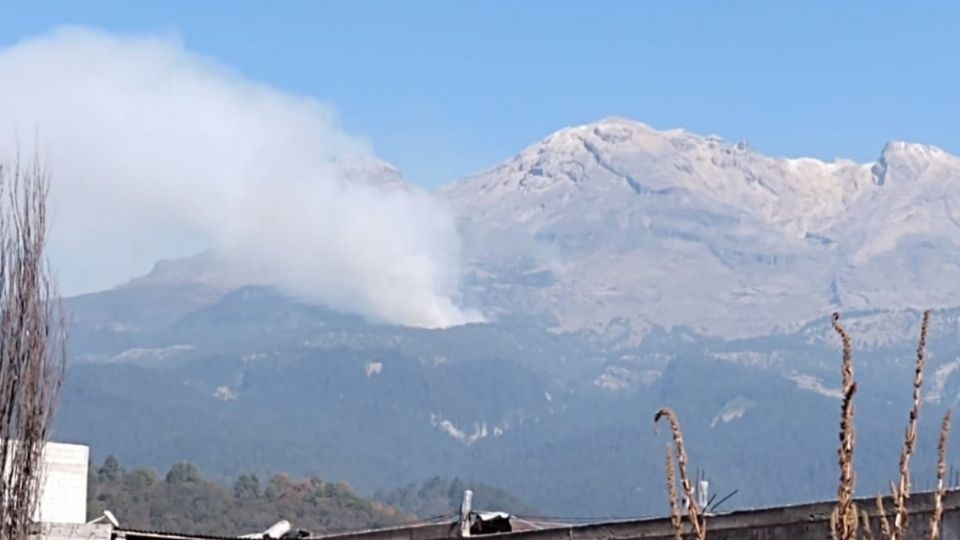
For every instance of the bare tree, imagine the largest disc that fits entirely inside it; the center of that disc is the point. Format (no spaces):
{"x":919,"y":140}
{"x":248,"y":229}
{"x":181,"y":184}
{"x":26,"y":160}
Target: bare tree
{"x":32,"y":343}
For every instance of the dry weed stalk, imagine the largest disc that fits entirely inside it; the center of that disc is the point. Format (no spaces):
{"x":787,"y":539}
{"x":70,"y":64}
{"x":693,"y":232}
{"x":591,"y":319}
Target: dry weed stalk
{"x":865,"y":524}
{"x":675,"y":516}
{"x":935,"y":520}
{"x":902,"y":492}
{"x":845,"y":518}
{"x":693,"y":511}
{"x":885,"y":531}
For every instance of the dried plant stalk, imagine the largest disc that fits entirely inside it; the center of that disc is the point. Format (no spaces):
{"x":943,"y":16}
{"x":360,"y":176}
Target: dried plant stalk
{"x":937,"y":517}
{"x":845,"y":520}
{"x":839,"y":526}
{"x":675,"y":516}
{"x":693,"y":511}
{"x":902,"y":492}
{"x":834,"y":523}
{"x":865,"y":525}
{"x":885,"y":530}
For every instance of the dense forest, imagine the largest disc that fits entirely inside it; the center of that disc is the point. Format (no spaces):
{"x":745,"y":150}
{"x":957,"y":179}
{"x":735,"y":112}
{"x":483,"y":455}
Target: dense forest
{"x":441,"y":497}
{"x":184,"y":501}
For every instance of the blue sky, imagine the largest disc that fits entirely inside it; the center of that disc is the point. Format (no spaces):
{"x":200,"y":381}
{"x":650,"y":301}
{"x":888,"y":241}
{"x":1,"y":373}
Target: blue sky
{"x":443,"y":89}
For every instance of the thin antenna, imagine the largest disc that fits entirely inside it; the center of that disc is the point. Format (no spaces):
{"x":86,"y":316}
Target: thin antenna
{"x":723,"y":500}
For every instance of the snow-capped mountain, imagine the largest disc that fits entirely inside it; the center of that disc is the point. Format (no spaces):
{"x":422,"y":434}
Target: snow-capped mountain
{"x":614,"y":227}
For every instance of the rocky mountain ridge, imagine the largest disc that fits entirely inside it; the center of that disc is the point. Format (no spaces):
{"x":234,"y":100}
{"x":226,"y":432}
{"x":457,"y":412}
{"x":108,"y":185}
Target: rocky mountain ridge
{"x":615,"y":227}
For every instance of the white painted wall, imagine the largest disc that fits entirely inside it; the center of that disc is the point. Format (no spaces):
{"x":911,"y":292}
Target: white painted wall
{"x":63,"y":491}
{"x":73,"y":531}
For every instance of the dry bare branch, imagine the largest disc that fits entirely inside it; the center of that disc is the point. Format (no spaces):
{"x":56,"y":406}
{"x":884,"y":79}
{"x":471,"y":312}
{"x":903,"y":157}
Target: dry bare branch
{"x":902,"y":491}
{"x":693,"y":511}
{"x":885,"y":530}
{"x":32,"y":352}
{"x":937,"y":518}
{"x":675,"y":516}
{"x":865,"y":525}
{"x":845,"y":520}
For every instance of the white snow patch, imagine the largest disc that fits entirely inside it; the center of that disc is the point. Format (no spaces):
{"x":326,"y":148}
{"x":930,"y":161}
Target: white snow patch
{"x":940,"y":378}
{"x":747,"y":358}
{"x":480,"y":430}
{"x":225,"y":393}
{"x":613,"y":378}
{"x":373,"y":368}
{"x":138,"y":355}
{"x":731,"y":410}
{"x":813,"y":384}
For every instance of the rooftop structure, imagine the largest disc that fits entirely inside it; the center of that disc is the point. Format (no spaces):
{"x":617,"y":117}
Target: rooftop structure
{"x":798,"y":522}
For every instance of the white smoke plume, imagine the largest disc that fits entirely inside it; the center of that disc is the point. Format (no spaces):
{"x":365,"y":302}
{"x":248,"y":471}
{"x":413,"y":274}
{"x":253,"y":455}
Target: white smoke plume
{"x":157,"y":152}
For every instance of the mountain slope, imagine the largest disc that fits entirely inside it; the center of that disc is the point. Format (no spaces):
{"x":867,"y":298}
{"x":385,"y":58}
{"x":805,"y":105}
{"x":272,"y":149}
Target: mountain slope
{"x":667,"y":245}
{"x":257,"y":382}
{"x":185,"y":502}
{"x":615,"y":227}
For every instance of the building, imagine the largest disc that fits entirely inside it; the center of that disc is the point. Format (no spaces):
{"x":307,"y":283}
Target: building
{"x":63,"y":487}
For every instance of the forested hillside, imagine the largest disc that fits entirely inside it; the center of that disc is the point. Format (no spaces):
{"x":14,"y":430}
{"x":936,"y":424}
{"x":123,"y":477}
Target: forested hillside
{"x":441,"y":497}
{"x":259,"y":383}
{"x":184,"y":501}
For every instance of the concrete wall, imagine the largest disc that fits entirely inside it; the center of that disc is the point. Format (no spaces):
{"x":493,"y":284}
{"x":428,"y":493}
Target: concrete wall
{"x":73,"y":531}
{"x":800,"y":522}
{"x":63,"y":489}
{"x":419,"y":532}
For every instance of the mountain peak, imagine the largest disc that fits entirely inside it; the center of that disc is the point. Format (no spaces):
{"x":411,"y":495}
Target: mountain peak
{"x":612,"y":129}
{"x":614,"y":154}
{"x":625,"y":135}
{"x":571,"y":156}
{"x":619,"y":121}
{"x":904,"y":150}
{"x":901,"y":159}
{"x":615,"y":221}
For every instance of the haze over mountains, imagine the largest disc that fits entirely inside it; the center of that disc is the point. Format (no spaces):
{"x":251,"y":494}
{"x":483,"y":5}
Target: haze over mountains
{"x":618,"y":268}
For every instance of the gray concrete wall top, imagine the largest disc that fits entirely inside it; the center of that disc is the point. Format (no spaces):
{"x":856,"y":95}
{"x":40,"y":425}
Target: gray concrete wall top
{"x":799,"y":522}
